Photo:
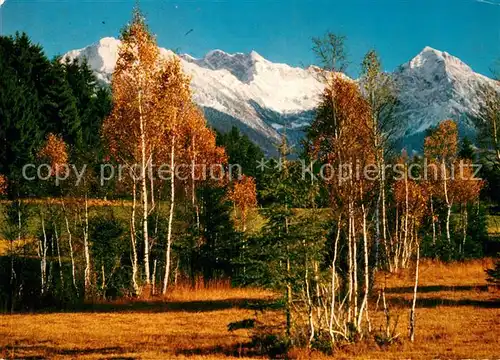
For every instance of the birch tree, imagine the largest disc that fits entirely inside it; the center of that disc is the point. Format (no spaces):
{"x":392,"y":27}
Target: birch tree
{"x":244,"y":196}
{"x":441,"y":149}
{"x":174,"y":107}
{"x":379,"y":90}
{"x":135,"y":127}
{"x":340,"y":137}
{"x":54,"y":152}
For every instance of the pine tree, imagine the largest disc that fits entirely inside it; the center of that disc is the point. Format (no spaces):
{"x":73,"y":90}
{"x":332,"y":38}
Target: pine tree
{"x":22,"y":65}
{"x":60,"y":107}
{"x":93,"y":103}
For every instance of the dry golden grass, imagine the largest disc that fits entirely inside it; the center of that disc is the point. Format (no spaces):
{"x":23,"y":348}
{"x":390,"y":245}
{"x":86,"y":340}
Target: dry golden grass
{"x":433,"y":273}
{"x":458,"y":317}
{"x":216,"y":291}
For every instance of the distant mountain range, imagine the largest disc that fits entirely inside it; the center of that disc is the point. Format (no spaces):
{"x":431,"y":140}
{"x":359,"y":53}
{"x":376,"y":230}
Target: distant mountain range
{"x":260,"y":97}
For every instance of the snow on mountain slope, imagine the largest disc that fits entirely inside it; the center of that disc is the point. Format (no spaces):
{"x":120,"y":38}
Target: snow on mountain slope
{"x":433,"y":86}
{"x":241,"y":89}
{"x":101,"y":57}
{"x":260,"y":97}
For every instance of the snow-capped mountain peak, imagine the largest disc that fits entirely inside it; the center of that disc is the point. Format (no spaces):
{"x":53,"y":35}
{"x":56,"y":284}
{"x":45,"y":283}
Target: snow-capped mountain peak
{"x":261,"y":97}
{"x":432,"y":60}
{"x":434,"y":86}
{"x":241,"y":65}
{"x":101,"y":57}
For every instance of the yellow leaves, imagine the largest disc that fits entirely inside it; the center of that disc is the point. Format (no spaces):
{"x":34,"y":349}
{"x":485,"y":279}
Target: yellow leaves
{"x":451,"y":178}
{"x":174,"y":103}
{"x":341,"y":136}
{"x":199,"y":146}
{"x":464,"y":187}
{"x":244,"y":195}
{"x":342,"y":130}
{"x":442,"y":145}
{"x":244,"y":192}
{"x":55,"y":152}
{"x":151,"y":98}
{"x":417,"y":197}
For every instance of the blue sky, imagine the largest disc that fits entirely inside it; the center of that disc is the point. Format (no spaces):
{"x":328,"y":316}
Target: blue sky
{"x":279,"y":30}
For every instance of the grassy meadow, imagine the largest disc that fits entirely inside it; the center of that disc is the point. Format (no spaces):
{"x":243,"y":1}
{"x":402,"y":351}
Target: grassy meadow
{"x":458,"y":317}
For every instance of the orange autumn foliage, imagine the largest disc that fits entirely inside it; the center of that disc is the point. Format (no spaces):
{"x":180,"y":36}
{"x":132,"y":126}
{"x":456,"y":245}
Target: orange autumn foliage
{"x":200,"y":152}
{"x":244,"y":196}
{"x":341,"y":136}
{"x":55,"y":152}
{"x":442,"y":145}
{"x":441,"y":150}
{"x":417,"y":197}
{"x":135,"y":124}
{"x":465,"y":188}
{"x":343,"y":127}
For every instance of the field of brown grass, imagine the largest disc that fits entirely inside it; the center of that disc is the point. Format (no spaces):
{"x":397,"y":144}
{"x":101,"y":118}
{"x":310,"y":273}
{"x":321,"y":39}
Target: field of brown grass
{"x":458,"y":317}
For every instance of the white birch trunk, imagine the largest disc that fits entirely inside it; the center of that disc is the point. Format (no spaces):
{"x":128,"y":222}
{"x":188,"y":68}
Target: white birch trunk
{"x":71,"y":252}
{"x":87,"y":280}
{"x":171,"y":216}
{"x":61,"y":274}
{"x":144,"y":191}
{"x":364,"y":304}
{"x":414,"y":302}
{"x":43,"y":256}
{"x":135,"y":269}
{"x":334,"y":278}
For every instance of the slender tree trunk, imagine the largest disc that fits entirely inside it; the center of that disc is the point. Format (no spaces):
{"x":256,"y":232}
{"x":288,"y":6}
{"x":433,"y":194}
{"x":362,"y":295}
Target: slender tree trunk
{"x":334,"y":278}
{"x":193,"y":186}
{"x":133,"y":243}
{"x":288,"y":287}
{"x":396,"y":243}
{"x":144,"y":188}
{"x":50,"y":264}
{"x":318,"y":294}
{"x":433,"y":222}
{"x":364,"y":304}
{"x":465,"y":225}
{"x":43,"y":254}
{"x":448,"y":203}
{"x":448,"y":216}
{"x":61,"y":274}
{"x":103,"y":283}
{"x":384,"y":210}
{"x":153,"y":280}
{"x":407,"y":211}
{"x":414,"y":302}
{"x":355,"y":268}
{"x":151,"y":185}
{"x":86,"y":248}
{"x":288,"y":299}
{"x":350,"y":267}
{"x":171,"y":216}
{"x":309,"y":305}
{"x":71,"y":253}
